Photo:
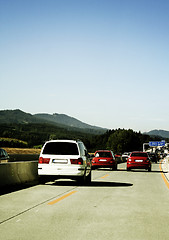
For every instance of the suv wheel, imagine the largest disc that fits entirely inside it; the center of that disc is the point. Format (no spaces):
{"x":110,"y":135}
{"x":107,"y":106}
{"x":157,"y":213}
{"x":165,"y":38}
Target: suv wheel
{"x":84,"y":180}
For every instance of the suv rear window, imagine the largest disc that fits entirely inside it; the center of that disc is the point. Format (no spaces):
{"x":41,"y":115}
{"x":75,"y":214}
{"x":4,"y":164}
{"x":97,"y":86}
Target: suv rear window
{"x":139,"y":155}
{"x":61,"y":148}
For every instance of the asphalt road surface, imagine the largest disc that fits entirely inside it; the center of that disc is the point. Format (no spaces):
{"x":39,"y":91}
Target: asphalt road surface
{"x":117,"y":205}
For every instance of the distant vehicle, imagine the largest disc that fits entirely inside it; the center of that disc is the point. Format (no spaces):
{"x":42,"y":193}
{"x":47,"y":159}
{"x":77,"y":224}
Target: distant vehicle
{"x":104,"y":159}
{"x":153,"y":157}
{"x":138,"y":160}
{"x":118,"y":155}
{"x":163,"y":155}
{"x":64,"y":159}
{"x":125,"y":155}
{"x":3,"y":155}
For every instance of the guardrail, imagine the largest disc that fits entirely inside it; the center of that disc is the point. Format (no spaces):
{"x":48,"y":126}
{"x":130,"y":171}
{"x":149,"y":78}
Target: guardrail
{"x":17,"y":173}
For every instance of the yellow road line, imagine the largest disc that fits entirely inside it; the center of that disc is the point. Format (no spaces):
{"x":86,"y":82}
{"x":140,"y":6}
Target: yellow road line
{"x":105,"y":176}
{"x":163,"y":176}
{"x":61,"y":198}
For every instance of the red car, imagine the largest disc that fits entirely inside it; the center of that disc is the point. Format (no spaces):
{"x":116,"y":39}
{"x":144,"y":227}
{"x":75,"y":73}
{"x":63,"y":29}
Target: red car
{"x":138,"y":160}
{"x":104,"y":159}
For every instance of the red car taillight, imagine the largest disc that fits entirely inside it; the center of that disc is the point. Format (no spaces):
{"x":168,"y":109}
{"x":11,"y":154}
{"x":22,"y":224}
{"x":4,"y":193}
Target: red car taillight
{"x":78,"y":161}
{"x":44,"y":160}
{"x":112,"y":161}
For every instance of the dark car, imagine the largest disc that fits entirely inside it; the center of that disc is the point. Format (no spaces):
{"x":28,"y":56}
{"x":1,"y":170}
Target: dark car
{"x":104,"y":159}
{"x":138,"y":160}
{"x":3,"y":155}
{"x":153,"y":157}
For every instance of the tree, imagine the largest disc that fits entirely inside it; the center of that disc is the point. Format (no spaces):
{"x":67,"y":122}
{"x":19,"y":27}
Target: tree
{"x":124,"y":141}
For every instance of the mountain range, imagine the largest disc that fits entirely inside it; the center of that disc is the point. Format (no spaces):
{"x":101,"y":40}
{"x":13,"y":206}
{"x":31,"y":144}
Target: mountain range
{"x":60,"y":120}
{"x":158,"y":133}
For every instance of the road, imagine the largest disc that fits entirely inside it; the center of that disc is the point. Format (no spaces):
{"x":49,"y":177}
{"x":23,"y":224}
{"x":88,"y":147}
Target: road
{"x":117,"y":205}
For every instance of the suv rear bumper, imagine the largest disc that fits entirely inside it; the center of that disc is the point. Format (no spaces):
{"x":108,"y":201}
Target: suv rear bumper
{"x":45,"y":169}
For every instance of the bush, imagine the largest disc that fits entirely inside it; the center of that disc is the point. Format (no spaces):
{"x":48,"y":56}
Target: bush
{"x":11,"y":142}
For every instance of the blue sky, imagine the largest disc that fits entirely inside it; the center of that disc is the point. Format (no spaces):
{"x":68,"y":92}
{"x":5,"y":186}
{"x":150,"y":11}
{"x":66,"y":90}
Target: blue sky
{"x":104,"y":62}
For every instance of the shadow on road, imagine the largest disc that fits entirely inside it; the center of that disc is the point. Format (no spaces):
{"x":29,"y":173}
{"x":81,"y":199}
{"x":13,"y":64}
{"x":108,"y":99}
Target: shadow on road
{"x":132,"y":170}
{"x":109,"y":184}
{"x":92,"y":184}
{"x":10,"y":189}
{"x":143,"y":171}
{"x":66,"y":182}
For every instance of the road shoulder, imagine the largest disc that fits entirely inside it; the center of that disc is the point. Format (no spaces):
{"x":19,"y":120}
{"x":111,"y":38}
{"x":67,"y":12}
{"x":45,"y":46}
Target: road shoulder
{"x":165,"y":167}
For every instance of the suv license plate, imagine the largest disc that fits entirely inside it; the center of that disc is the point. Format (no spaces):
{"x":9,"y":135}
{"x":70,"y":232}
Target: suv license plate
{"x":60,"y":161}
{"x":138,"y":160}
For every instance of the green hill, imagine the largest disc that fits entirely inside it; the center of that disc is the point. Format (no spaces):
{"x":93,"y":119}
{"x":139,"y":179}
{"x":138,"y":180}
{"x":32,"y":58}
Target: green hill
{"x":60,"y":120}
{"x":158,"y":133}
{"x":34,"y":130}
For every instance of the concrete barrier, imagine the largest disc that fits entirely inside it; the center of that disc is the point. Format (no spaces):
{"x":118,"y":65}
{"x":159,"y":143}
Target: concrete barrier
{"x":23,"y":157}
{"x":17,"y":173}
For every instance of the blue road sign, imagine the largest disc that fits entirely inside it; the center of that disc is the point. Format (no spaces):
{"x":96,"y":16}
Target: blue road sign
{"x":157,"y":143}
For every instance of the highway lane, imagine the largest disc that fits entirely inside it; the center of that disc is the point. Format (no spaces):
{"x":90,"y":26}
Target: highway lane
{"x":117,"y":205}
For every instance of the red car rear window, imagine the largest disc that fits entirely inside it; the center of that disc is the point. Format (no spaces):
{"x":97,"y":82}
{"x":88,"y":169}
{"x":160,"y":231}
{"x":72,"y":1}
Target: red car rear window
{"x":139,"y":155}
{"x":103,"y":154}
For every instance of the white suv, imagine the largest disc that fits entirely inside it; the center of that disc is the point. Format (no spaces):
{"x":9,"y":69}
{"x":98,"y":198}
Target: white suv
{"x":64,"y":159}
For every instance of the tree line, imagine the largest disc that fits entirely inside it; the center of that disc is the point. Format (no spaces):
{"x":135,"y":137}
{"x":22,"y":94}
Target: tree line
{"x":33,"y":135}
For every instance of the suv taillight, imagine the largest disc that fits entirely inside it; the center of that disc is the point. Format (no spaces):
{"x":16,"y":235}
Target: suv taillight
{"x":44,"y":160}
{"x":77,"y":161}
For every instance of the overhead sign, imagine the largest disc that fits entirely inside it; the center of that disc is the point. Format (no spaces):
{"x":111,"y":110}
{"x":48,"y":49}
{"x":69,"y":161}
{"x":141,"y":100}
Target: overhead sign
{"x":157,"y":143}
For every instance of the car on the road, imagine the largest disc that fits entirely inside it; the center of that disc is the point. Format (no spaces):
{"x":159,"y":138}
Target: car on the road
{"x":64,"y":159}
{"x":153,"y":157}
{"x":125,"y":155}
{"x":162,"y":155}
{"x":104,"y":159}
{"x":118,"y":155}
{"x":4,"y":157}
{"x":138,"y":160}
